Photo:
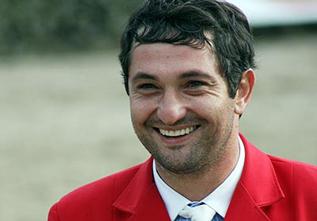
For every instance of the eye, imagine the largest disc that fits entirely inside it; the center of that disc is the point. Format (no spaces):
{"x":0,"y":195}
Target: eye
{"x":196,"y":87}
{"x":194,"y":84}
{"x":146,"y":86}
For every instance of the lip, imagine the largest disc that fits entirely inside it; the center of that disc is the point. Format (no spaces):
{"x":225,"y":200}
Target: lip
{"x":175,"y":141}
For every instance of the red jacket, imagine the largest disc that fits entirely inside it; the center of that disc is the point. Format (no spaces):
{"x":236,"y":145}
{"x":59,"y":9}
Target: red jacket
{"x":270,"y":188}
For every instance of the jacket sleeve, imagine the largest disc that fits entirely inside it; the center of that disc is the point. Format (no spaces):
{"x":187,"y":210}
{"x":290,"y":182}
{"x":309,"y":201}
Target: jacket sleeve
{"x":53,"y":214}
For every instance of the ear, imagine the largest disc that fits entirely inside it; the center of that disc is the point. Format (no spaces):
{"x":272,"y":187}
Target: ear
{"x":244,"y":92}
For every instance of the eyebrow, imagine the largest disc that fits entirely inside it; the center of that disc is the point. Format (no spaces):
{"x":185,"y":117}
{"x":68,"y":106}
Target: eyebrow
{"x":188,"y":74}
{"x":143,"y":76}
{"x":194,"y":73}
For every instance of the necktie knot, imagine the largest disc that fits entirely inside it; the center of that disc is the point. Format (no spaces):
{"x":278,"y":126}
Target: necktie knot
{"x":197,"y":212}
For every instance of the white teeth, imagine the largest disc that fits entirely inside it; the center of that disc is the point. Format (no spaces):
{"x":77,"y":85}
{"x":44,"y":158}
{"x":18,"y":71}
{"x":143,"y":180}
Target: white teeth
{"x":176,"y":133}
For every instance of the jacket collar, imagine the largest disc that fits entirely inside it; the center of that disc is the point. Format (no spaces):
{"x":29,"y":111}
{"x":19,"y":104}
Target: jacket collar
{"x":141,"y":200}
{"x":257,"y":188}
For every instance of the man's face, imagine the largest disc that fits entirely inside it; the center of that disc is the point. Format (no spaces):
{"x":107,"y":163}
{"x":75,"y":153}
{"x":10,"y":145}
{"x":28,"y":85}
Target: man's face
{"x":180,"y":107}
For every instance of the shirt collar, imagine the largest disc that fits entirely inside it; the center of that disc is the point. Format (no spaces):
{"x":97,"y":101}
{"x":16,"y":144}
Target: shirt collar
{"x":218,"y":200}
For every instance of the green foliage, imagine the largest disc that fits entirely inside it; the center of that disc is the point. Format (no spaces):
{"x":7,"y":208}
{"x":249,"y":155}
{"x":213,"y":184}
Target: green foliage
{"x":54,"y":25}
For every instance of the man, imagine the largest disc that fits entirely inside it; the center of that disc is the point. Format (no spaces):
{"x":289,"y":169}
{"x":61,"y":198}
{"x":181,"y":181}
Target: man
{"x":188,"y":70}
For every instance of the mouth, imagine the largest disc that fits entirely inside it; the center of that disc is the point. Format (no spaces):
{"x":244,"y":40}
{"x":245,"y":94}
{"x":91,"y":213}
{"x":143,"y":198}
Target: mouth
{"x":169,"y":133}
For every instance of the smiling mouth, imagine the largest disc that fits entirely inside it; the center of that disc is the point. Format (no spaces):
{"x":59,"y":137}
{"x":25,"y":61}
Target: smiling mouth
{"x":176,"y":133}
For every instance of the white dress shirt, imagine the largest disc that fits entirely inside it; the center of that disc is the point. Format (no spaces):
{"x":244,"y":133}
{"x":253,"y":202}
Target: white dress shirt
{"x":218,"y":200}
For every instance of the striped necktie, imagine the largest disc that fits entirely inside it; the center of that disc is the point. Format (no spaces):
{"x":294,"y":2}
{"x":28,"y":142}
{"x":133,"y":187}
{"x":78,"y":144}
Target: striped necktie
{"x":198,"y":211}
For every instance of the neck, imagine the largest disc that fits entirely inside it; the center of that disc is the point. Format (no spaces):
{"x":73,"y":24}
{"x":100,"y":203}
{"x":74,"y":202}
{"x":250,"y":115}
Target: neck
{"x":197,"y":185}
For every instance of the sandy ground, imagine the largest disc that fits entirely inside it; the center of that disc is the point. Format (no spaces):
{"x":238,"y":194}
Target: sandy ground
{"x":65,"y":120}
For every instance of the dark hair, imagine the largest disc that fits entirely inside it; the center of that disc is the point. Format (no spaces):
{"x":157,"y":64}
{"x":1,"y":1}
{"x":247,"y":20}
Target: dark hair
{"x":193,"y":22}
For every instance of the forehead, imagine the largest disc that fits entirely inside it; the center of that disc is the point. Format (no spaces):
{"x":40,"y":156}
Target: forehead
{"x":164,"y":59}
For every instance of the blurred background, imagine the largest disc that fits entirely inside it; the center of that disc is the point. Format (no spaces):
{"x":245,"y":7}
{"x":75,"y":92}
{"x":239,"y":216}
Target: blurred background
{"x":64,"y":115}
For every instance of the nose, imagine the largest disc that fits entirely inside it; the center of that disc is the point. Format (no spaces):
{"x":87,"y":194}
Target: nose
{"x":171,"y":108}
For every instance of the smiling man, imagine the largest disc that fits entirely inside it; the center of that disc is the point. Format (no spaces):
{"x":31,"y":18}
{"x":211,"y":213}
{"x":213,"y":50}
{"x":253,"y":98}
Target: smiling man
{"x":188,"y":70}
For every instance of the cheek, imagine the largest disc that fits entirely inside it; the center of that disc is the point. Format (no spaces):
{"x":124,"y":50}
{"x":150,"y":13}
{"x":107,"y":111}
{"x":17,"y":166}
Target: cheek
{"x":203,"y":106}
{"x":211,"y":108}
{"x":141,"y":110}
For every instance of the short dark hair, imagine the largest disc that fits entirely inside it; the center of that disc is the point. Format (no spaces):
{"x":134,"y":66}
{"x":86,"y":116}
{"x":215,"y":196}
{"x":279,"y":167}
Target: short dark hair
{"x":193,"y":22}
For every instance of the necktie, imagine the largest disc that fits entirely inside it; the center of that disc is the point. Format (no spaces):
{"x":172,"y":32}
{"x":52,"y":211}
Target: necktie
{"x":198,"y":211}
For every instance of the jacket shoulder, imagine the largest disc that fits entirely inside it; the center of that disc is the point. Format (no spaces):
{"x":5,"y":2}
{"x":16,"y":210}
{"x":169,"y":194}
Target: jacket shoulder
{"x":298,"y":172}
{"x":106,"y":186}
{"x":298,"y":180}
{"x":94,"y":199}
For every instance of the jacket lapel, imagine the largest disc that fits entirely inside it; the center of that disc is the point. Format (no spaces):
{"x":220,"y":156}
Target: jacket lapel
{"x":141,"y":200}
{"x":257,"y":189}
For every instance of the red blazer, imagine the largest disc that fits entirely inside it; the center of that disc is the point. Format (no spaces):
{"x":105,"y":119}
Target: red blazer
{"x":270,"y":188}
